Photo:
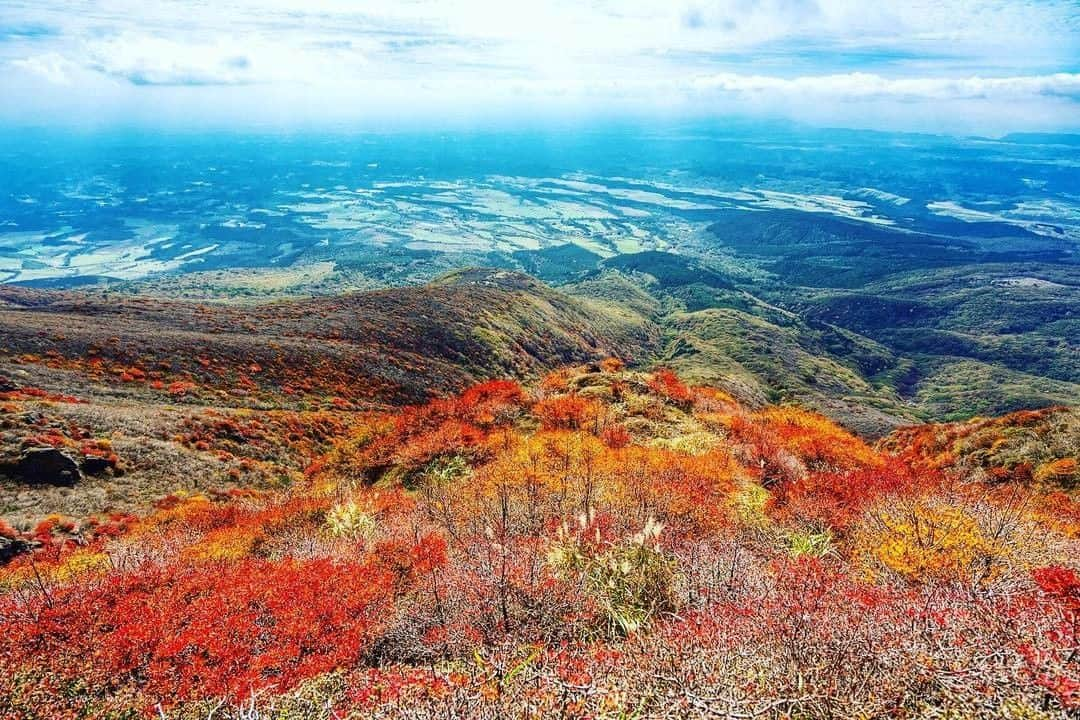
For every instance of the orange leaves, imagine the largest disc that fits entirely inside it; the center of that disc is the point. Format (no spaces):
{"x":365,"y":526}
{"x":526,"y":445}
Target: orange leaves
{"x":788,"y":441}
{"x":615,"y":436}
{"x":180,"y":388}
{"x":448,"y":426}
{"x":1019,"y":447}
{"x":452,"y":436}
{"x":666,"y":384}
{"x":34,"y":393}
{"x":554,"y":474}
{"x":130,"y":374}
{"x":1058,"y":511}
{"x":567,"y":412}
{"x":488,"y":401}
{"x":556,"y":381}
{"x":612,"y":365}
{"x":228,"y":543}
{"x":412,"y":560}
{"x":445,"y":532}
{"x":688,"y":493}
{"x":548,"y":474}
{"x":1062,"y":471}
{"x":838,"y":499}
{"x":816,"y":440}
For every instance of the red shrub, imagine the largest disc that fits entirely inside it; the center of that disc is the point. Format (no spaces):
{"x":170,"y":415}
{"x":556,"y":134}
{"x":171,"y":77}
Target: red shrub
{"x":1054,"y":666}
{"x":837,"y":499}
{"x":194,"y":632}
{"x":452,"y":436}
{"x":1060,"y":583}
{"x":615,"y":436}
{"x":505,"y":392}
{"x":667,"y":384}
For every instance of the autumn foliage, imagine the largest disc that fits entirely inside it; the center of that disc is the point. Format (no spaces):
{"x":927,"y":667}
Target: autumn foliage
{"x":608,"y":543}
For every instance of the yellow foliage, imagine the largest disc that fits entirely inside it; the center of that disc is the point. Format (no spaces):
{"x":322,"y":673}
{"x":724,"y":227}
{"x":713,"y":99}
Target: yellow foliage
{"x":695,"y":443}
{"x":923,"y":542}
{"x":1058,"y":470}
{"x":179,"y":513}
{"x":80,"y":563}
{"x":77,"y":564}
{"x":14,"y":577}
{"x":749,"y":503}
{"x":230,"y":543}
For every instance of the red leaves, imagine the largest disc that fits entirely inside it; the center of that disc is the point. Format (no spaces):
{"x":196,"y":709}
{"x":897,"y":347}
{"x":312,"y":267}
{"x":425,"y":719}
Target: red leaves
{"x":838,"y":499}
{"x":452,"y":436}
{"x":485,"y":404}
{"x":667,"y":384}
{"x":467,"y":561}
{"x":33,"y":393}
{"x":1055,"y":667}
{"x":180,"y":388}
{"x":615,"y":437}
{"x":493,"y":393}
{"x":196,"y":632}
{"x":1060,"y":583}
{"x":410,"y":561}
{"x":448,"y":426}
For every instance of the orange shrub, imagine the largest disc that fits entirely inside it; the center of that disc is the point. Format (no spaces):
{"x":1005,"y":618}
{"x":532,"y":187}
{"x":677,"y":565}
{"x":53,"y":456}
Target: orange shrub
{"x":838,"y":499}
{"x":1062,"y":470}
{"x":668,"y":385}
{"x":567,"y":412}
{"x":612,"y":365}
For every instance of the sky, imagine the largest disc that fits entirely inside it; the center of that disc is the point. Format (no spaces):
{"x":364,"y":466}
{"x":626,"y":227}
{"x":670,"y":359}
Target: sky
{"x":952,"y":66}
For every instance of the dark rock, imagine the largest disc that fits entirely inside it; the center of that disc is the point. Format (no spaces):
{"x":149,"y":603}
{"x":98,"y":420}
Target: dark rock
{"x":11,"y":548}
{"x":94,"y":465}
{"x":7,"y":385}
{"x":47,"y":466}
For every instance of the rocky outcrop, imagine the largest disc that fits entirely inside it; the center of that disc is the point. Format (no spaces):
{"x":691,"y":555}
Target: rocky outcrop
{"x":11,"y":548}
{"x":47,"y":466}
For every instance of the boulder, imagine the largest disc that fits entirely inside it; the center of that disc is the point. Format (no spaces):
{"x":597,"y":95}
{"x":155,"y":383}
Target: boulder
{"x":47,"y":466}
{"x":95,"y":465}
{"x":11,"y":548}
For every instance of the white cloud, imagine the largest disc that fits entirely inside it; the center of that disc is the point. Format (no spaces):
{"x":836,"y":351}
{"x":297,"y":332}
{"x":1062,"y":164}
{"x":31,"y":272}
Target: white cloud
{"x":222,"y":60}
{"x":859,"y":85}
{"x":143,"y":60}
{"x":53,"y":67}
{"x":422,"y":56}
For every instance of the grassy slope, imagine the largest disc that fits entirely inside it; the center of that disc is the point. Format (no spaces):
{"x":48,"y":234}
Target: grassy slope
{"x":873,"y":325}
{"x":387,"y":346}
{"x":269,"y":373}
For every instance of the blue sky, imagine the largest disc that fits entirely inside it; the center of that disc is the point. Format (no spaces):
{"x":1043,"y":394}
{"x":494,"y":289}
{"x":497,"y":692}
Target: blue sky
{"x":948,"y":65}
